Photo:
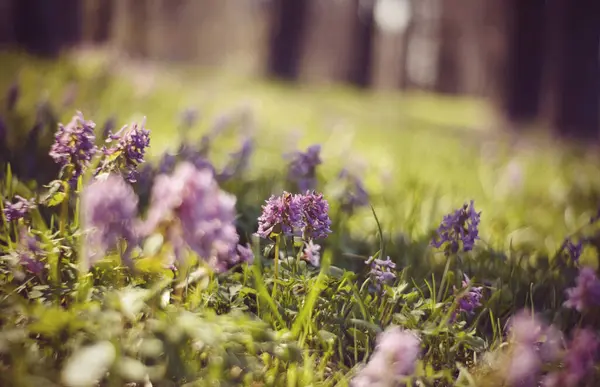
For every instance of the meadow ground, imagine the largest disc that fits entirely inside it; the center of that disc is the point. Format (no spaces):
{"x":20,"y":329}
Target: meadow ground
{"x":420,"y":157}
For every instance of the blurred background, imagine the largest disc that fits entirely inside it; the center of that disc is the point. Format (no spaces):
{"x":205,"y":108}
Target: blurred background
{"x":534,"y":63}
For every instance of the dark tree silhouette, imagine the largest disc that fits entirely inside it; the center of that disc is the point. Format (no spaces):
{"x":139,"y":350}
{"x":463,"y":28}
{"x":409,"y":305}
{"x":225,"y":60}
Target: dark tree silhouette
{"x":288,"y":27}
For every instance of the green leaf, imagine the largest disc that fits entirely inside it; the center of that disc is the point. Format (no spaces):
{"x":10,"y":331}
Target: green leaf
{"x":88,"y":365}
{"x":56,"y":199}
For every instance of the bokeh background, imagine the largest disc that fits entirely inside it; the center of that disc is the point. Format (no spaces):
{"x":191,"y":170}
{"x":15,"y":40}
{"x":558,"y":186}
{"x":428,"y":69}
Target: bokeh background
{"x":432,"y":102}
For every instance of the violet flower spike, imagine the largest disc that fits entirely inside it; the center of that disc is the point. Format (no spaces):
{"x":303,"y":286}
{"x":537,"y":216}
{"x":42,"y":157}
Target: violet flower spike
{"x":460,"y":228}
{"x":19,"y":209}
{"x":109,"y":208}
{"x":281,"y":214}
{"x":470,"y":299}
{"x":574,"y":250}
{"x":315,"y":211}
{"x":74,"y":145}
{"x":302,"y":168}
{"x":382,"y":271}
{"x":586,"y":292}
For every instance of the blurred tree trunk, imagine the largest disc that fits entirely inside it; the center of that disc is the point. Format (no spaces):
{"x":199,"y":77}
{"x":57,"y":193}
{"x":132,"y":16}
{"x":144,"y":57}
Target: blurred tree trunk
{"x":327,"y":48}
{"x":525,"y":60}
{"x":97,"y":15}
{"x":461,"y":68}
{"x":363,"y":33}
{"x":44,"y":28}
{"x":571,"y":82}
{"x":129,"y":32}
{"x":285,"y":37}
{"x":7,"y":25}
{"x":422,"y":46}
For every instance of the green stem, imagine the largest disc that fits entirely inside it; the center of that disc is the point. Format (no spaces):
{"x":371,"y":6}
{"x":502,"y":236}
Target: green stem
{"x":276,"y":265}
{"x":443,"y":283}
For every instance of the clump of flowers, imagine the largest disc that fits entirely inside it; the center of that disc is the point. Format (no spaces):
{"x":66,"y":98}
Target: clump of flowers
{"x":281,"y":214}
{"x":18,"y":209}
{"x":198,"y":214}
{"x":306,"y":213}
{"x":131,"y":143}
{"x":109,"y":208}
{"x":382,"y":271}
{"x":395,"y":356}
{"x":302,"y":168}
{"x":29,"y":252}
{"x":579,"y":361}
{"x":73,"y":146}
{"x":470,"y":297}
{"x":459,"y":229}
{"x":586,"y":292}
{"x":238,"y":162}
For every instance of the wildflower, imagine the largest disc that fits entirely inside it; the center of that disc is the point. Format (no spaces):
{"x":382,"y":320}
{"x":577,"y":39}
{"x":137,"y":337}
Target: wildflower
{"x":470,"y":298}
{"x":381,"y":271}
{"x":109,"y":208}
{"x":167,"y":163}
{"x":586,"y":293}
{"x":109,"y":125}
{"x":354,"y":195}
{"x":74,"y":145}
{"x":312,"y":253}
{"x":197,"y":213}
{"x":280,"y":214}
{"x":239,"y":161}
{"x":458,"y":227}
{"x":29,"y":251}
{"x":302,"y":168}
{"x":131,"y":143}
{"x":579,"y":360}
{"x":18,"y":210}
{"x":245,"y":253}
{"x":188,"y":117}
{"x":574,"y":250}
{"x":525,"y":362}
{"x":315,"y":211}
{"x":395,"y":356}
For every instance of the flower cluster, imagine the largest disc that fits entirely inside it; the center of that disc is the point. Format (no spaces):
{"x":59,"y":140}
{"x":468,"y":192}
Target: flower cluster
{"x":459,"y":227}
{"x":586,"y":293}
{"x":18,"y":210}
{"x":308,"y":213}
{"x":238,"y":162}
{"x":131,"y":143}
{"x":197,"y":214}
{"x":579,"y":360}
{"x":29,"y":252}
{"x":382,"y":271}
{"x":302,"y":167}
{"x":527,"y":355}
{"x":395,"y":356}
{"x":74,"y":145}
{"x":470,"y":298}
{"x":109,"y":208}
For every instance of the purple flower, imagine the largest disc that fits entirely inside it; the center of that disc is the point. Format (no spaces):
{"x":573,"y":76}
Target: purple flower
{"x":525,"y":362}
{"x":109,"y":125}
{"x":354,"y":195}
{"x":302,"y":168}
{"x":167,"y":163}
{"x":29,"y":251}
{"x":18,"y":210}
{"x":245,"y":253}
{"x":280,"y":214}
{"x":382,"y":271}
{"x":109,"y":208}
{"x":579,"y":360}
{"x":196,"y":212}
{"x":312,"y":253}
{"x":315,"y":211}
{"x":74,"y":145}
{"x":470,"y":298}
{"x":586,"y":293}
{"x":574,"y":250}
{"x":188,"y":117}
{"x":238,"y":162}
{"x":458,"y":227}
{"x":395,"y":356}
{"x":131,"y":143}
